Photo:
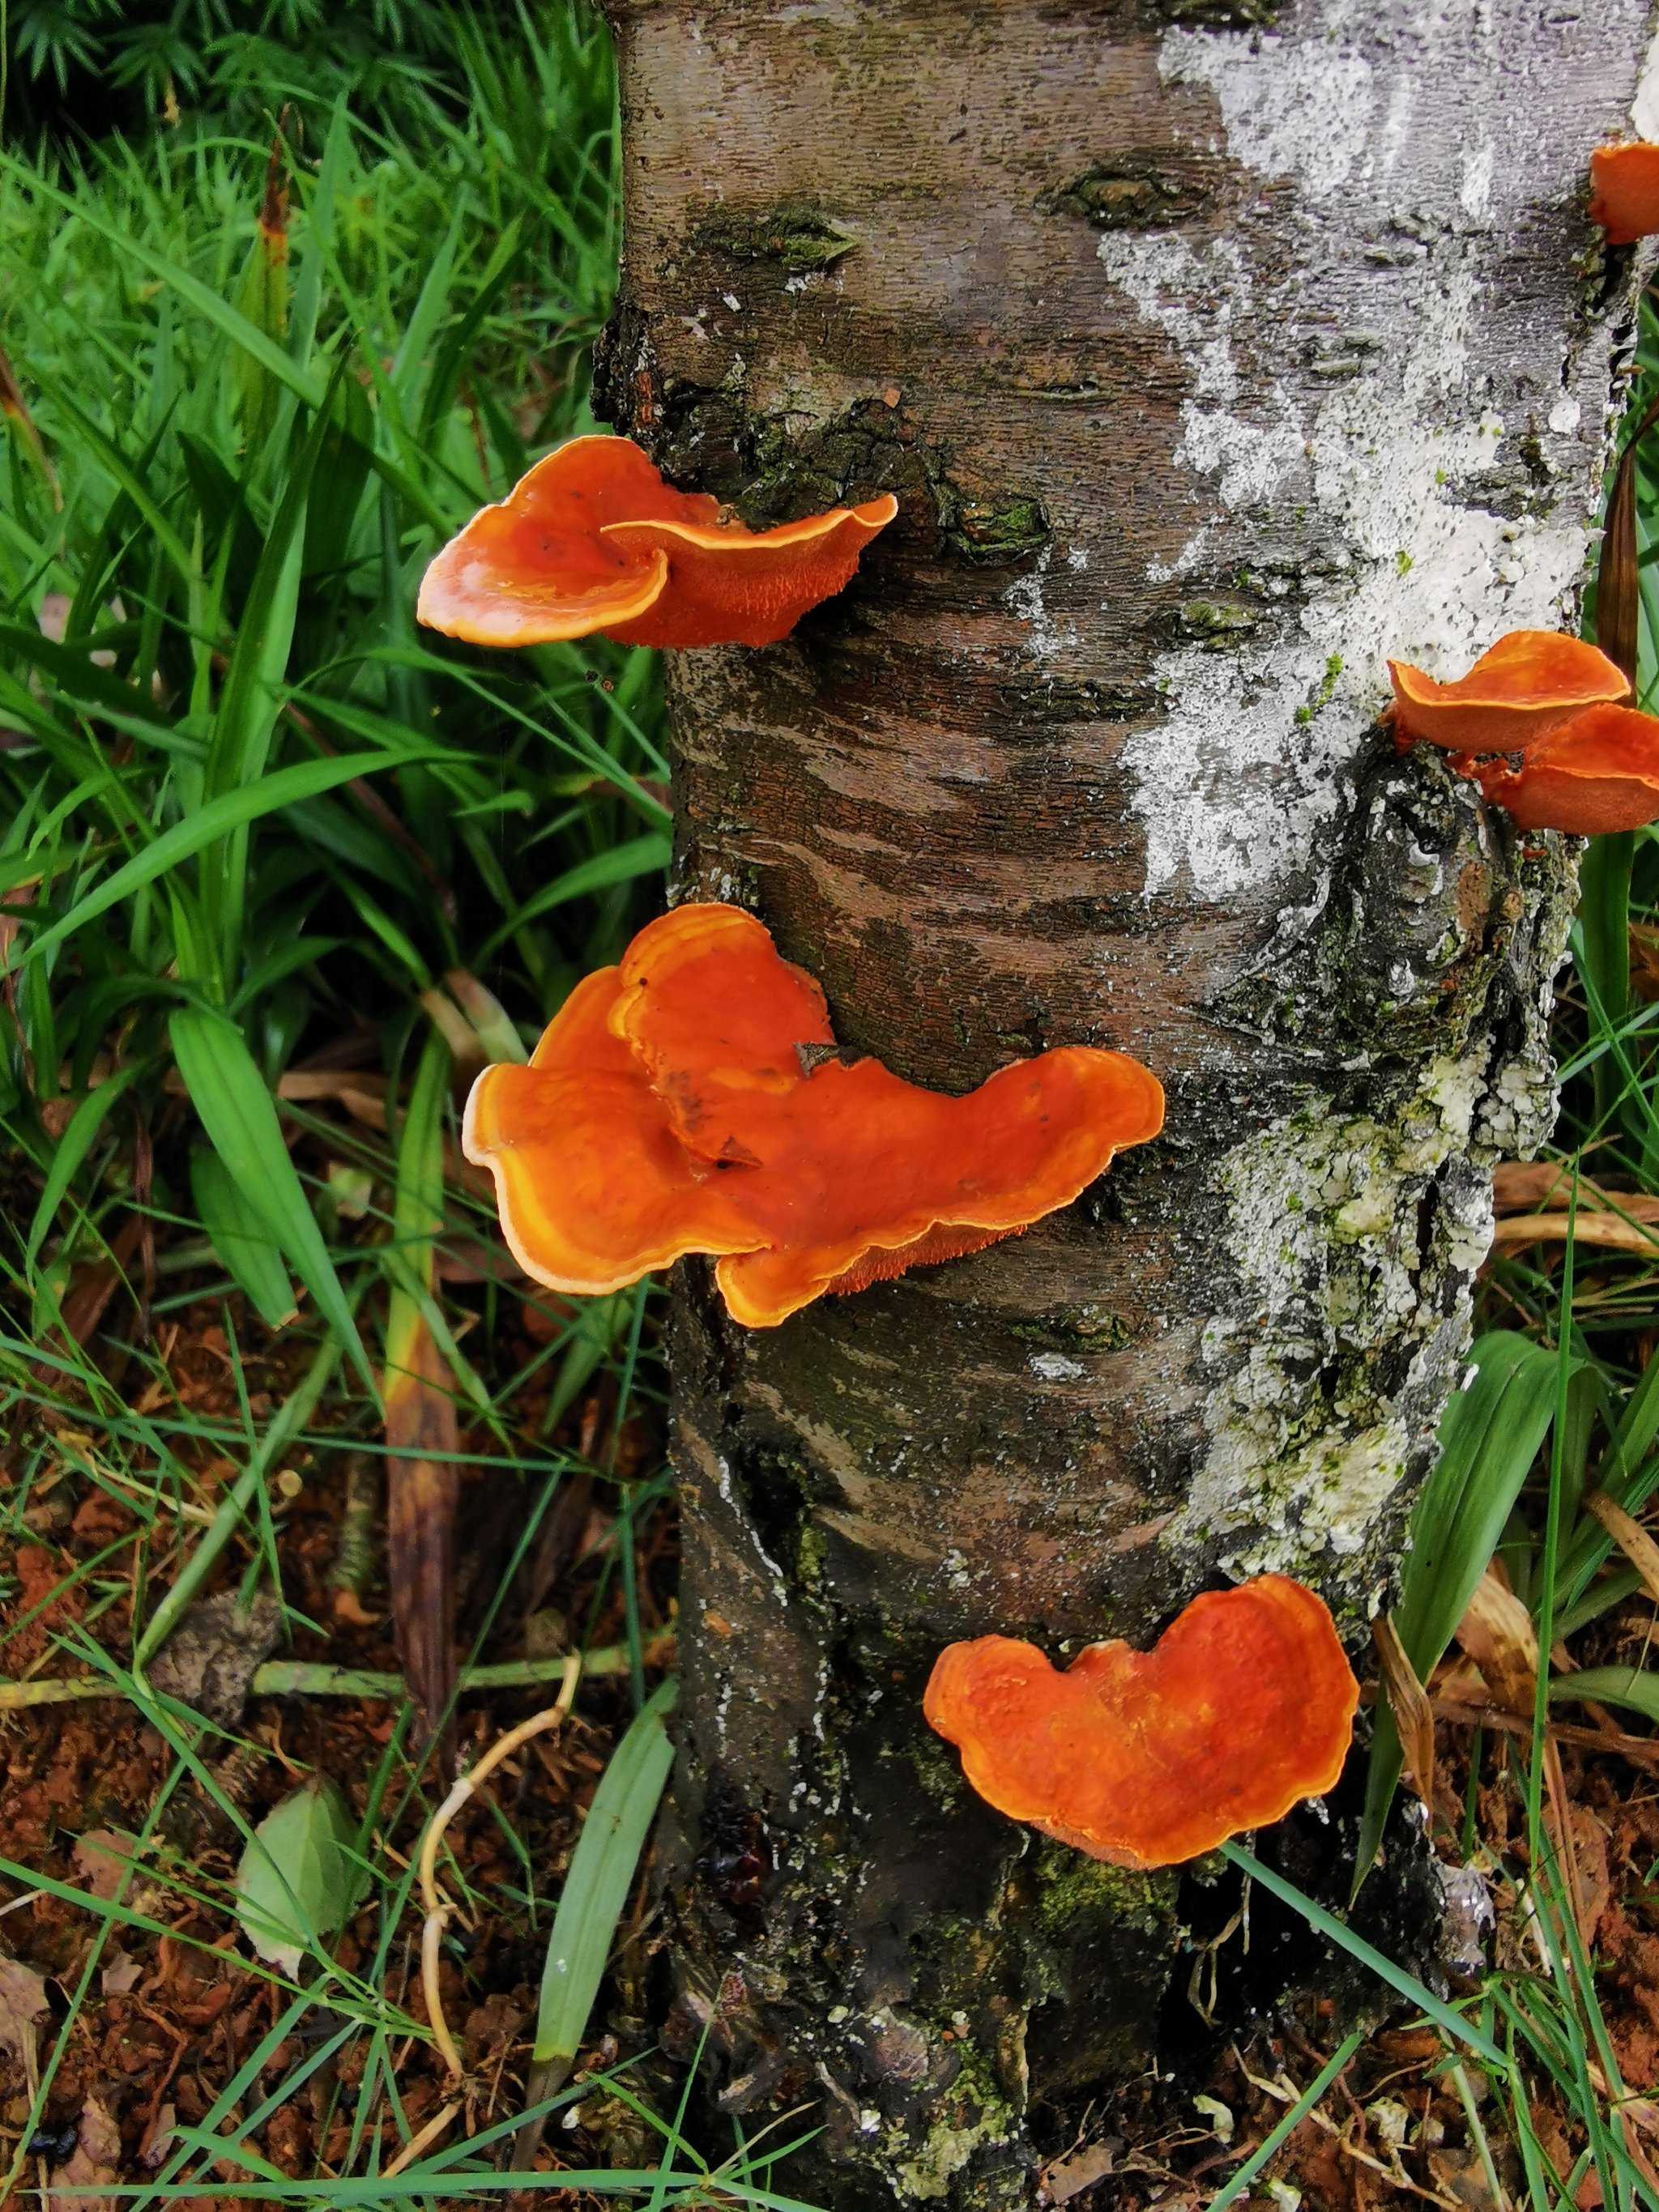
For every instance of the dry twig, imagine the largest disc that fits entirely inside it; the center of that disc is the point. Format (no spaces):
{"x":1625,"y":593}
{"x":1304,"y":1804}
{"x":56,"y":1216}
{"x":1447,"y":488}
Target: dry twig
{"x":437,"y":1911}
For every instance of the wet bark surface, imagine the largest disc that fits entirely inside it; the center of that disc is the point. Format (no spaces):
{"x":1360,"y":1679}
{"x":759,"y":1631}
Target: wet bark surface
{"x":1215,"y":352}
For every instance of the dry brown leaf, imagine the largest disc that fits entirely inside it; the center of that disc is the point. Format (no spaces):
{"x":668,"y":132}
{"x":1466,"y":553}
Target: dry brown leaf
{"x":1408,"y":1701}
{"x":1523,"y":1186}
{"x":1069,"y":2177}
{"x":102,"y":1858}
{"x":22,"y":2001}
{"x":465,"y":1046}
{"x":1631,"y":1538}
{"x":1608,"y":1232}
{"x":95,"y":2163}
{"x":1590,"y":1851}
{"x":307,"y":1086}
{"x":422,"y":1440}
{"x":121,"y":1973}
{"x":158,"y":2136}
{"x":91,"y":1287}
{"x":1497,"y":1633}
{"x":1534,"y":1200}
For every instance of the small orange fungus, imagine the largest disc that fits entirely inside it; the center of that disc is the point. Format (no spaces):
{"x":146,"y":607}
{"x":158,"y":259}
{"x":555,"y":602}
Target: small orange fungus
{"x":1624,"y":190}
{"x":691,"y":1099}
{"x":1526,"y":685}
{"x":593,"y":539}
{"x":1243,"y":1707}
{"x":1598,"y":773}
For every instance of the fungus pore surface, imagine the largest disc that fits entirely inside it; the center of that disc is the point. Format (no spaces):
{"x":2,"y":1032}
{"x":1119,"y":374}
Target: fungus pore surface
{"x":593,"y":539}
{"x":1243,"y":1707}
{"x":690,"y":1100}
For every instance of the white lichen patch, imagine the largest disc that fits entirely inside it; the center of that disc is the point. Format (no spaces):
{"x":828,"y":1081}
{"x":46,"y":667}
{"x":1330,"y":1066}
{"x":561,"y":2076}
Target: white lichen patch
{"x":1645,"y":108}
{"x":1339,"y":405}
{"x":1309,"y":1437}
{"x":1301,"y":109}
{"x":1055,"y":1367}
{"x":1234,"y":781}
{"x":1045,"y":639}
{"x":1193,"y":298}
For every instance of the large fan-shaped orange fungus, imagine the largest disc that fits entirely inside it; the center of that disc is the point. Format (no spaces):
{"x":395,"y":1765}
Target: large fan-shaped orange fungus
{"x":1598,"y":773}
{"x":1523,"y":687}
{"x":1624,"y":190}
{"x":1243,"y":1708}
{"x":593,"y":539}
{"x":691,"y":1099}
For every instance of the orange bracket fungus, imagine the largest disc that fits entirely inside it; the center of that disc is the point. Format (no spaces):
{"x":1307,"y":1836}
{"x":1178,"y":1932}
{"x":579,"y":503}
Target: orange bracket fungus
{"x":1526,"y":685}
{"x":1576,"y":760}
{"x":1624,"y":190}
{"x":1598,"y":773}
{"x":593,"y":539}
{"x":1243,"y":1708}
{"x":692,"y":1099}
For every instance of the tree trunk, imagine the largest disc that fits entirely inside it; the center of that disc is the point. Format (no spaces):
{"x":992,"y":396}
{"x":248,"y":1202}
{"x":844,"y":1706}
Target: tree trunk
{"x":1217,"y":350}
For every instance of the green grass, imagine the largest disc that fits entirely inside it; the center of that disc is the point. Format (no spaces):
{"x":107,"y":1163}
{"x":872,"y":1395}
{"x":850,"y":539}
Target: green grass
{"x":251,"y":812}
{"x":246,"y":801}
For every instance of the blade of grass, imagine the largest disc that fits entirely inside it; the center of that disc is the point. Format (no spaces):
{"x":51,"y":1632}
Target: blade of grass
{"x":422,"y":1437}
{"x":1325,"y":1923}
{"x":281,"y":787}
{"x":1289,"y":2122}
{"x":285,"y":1425}
{"x":239,"y":1116}
{"x":601,"y":1873}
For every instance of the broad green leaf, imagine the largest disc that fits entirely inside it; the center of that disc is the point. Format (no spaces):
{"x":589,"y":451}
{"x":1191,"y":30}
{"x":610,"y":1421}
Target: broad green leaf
{"x":638,"y":856}
{"x":73,"y":1146}
{"x":297,"y":1881}
{"x":237,"y":1234}
{"x":251,"y":700}
{"x":239,"y":1116}
{"x":1635,"y":1688}
{"x":284,"y":786}
{"x":597,"y":1324}
{"x":1602,"y":943}
{"x":426,"y":314}
{"x":1490,"y":1435}
{"x":1604,"y":920}
{"x":71,"y":667}
{"x":601,"y":1873}
{"x":131,"y":480}
{"x":452,"y":354}
{"x":417,"y":1211}
{"x":318,"y":236}
{"x":343,"y":471}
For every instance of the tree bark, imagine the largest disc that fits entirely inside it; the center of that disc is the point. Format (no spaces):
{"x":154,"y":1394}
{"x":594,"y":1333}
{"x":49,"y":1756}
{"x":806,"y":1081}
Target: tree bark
{"x":1215,"y":351}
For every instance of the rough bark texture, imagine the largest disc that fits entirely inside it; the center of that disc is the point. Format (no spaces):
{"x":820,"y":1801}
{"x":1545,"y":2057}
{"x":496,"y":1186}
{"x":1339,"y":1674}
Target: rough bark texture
{"x":1215,"y":351}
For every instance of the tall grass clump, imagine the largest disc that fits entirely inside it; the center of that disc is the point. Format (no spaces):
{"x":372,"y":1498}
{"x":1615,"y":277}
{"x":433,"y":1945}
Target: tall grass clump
{"x":250,"y":810}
